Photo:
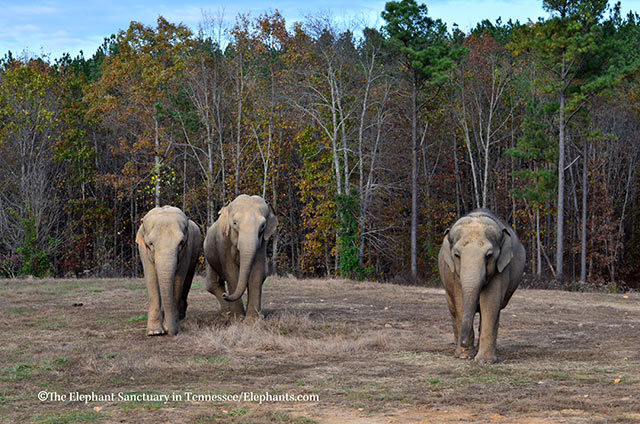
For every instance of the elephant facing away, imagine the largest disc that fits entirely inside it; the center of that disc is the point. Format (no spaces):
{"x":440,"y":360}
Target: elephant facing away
{"x":170,"y":245}
{"x":235,"y":250}
{"x":481,"y":263}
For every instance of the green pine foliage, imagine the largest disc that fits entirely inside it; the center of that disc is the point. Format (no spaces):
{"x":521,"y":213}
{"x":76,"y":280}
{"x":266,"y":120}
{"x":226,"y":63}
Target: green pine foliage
{"x":420,"y":40}
{"x":348,"y":238}
{"x":539,"y":150}
{"x":34,"y":260}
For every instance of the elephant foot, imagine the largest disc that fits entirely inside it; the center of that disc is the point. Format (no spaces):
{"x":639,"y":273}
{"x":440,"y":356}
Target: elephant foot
{"x":172,"y":330}
{"x":485,"y":359}
{"x":463,"y":353}
{"x":155,"y":328}
{"x":156,"y":332}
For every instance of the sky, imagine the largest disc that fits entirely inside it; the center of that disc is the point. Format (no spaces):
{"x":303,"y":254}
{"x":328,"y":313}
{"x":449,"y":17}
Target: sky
{"x":51,"y":28}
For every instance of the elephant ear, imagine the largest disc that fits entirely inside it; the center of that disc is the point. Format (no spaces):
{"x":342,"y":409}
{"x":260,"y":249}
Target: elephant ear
{"x":506,"y":251}
{"x":272,"y":224}
{"x":141,"y":242}
{"x":223,"y":220}
{"x":446,"y":251}
{"x":140,"y":236}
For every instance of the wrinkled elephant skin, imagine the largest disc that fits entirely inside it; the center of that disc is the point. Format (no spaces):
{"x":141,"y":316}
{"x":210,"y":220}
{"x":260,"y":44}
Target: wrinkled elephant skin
{"x":481,"y":263}
{"x":235,"y":250}
{"x":169,"y":245}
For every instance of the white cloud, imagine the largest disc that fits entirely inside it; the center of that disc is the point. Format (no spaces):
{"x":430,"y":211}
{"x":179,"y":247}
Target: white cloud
{"x":32,"y":10}
{"x":187,"y":15}
{"x":24,"y":28}
{"x":56,"y":26}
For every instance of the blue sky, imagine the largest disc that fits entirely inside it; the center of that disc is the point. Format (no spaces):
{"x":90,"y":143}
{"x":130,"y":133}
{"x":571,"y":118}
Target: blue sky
{"x":55,"y":27}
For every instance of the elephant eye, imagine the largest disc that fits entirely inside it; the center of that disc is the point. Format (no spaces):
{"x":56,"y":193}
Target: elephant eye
{"x":456,"y":254}
{"x":489,"y":253}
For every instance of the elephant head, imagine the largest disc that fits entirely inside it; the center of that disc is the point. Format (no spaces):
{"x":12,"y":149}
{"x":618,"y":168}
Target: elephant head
{"x":249,"y":223}
{"x":476,"y":248}
{"x":162,"y":238}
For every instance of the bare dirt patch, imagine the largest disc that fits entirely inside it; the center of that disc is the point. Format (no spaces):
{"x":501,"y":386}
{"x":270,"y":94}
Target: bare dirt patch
{"x":372,"y":353}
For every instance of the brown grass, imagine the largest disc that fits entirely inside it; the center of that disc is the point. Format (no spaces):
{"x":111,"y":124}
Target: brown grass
{"x":371,"y":352}
{"x":288,"y":333}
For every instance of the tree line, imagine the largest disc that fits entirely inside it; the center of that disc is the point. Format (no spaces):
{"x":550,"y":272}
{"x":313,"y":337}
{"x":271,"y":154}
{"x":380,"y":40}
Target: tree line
{"x":367,"y":142}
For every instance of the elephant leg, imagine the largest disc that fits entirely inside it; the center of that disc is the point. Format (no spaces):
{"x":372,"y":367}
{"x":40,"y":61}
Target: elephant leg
{"x":178,"y":282}
{"x":254,"y":303}
{"x":479,"y":329}
{"x":184,"y":292}
{"x":215,"y":286}
{"x":169,"y":306}
{"x":237,"y":308}
{"x":456,"y":307}
{"x":489,"y":319}
{"x":461,"y":352}
{"x":451,"y":303}
{"x":154,"y":314}
{"x":456,"y":323}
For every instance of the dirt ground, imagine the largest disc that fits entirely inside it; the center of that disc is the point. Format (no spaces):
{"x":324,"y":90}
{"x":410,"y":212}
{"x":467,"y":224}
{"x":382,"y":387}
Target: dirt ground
{"x":356,"y":352}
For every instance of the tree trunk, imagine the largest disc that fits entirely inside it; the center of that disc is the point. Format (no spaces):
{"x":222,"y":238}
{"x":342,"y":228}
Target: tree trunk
{"x":414,"y":182}
{"x":239,"y":128}
{"x":457,"y":175}
{"x":560,"y":203}
{"x":156,"y":169}
{"x":334,"y":133}
{"x":222,"y":162}
{"x":209,"y":182}
{"x":276,"y":237}
{"x":467,"y":141}
{"x":345,"y":150}
{"x":184,"y":180}
{"x":538,"y":246}
{"x":583,"y":241}
{"x":361,"y":171}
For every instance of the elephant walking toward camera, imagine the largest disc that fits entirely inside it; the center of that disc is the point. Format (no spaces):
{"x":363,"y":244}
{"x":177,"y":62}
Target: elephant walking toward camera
{"x":170,"y":246}
{"x":236,"y":252}
{"x":481,"y":263}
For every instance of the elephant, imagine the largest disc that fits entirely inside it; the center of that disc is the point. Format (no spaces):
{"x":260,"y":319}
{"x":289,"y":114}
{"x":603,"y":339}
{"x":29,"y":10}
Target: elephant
{"x":481,"y":263}
{"x":235,"y":251}
{"x":170,"y":245}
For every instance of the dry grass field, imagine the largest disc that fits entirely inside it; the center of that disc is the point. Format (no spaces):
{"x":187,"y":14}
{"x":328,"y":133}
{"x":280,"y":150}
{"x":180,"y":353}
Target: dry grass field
{"x":372,"y":353}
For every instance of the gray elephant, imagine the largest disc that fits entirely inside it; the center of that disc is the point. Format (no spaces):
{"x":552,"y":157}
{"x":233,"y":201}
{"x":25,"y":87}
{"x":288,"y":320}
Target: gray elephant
{"x":481,"y":263}
{"x":170,"y":246}
{"x":235,"y":250}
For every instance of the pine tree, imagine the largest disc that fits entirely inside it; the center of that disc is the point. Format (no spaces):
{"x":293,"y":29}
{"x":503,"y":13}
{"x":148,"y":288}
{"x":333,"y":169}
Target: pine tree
{"x":561,"y":46}
{"x":426,"y":55}
{"x":538,"y":149}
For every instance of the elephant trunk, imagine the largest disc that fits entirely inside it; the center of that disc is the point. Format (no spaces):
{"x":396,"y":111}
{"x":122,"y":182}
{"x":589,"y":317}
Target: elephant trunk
{"x":472,"y":279}
{"x":248,"y":247}
{"x":166,"y":265}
